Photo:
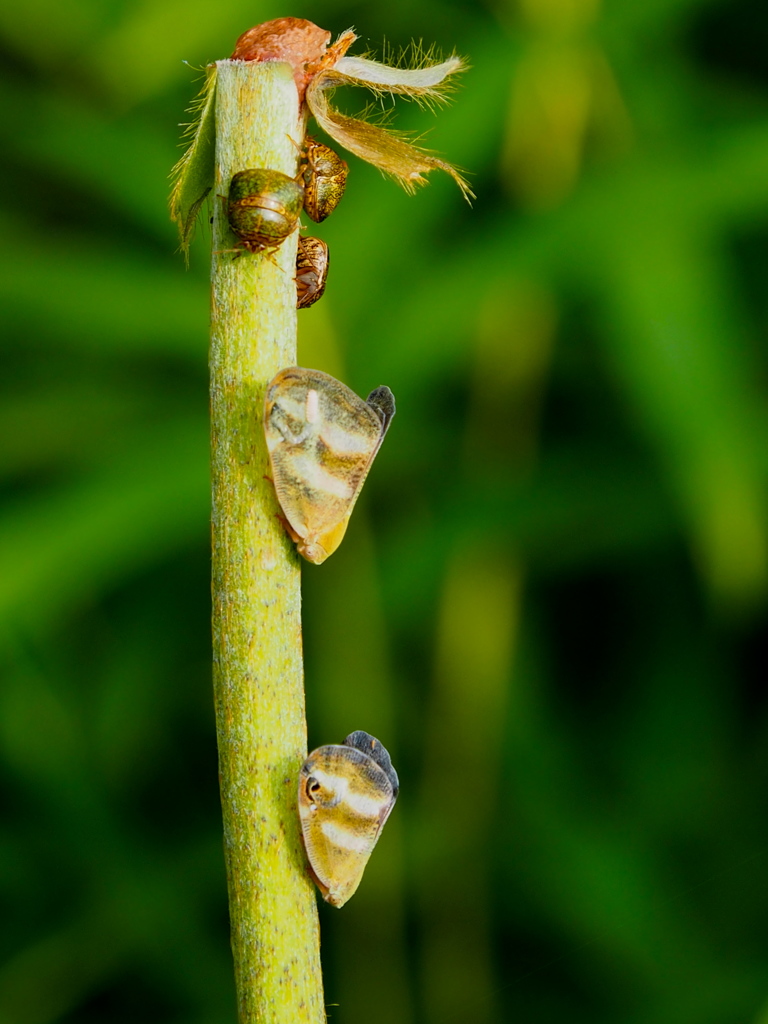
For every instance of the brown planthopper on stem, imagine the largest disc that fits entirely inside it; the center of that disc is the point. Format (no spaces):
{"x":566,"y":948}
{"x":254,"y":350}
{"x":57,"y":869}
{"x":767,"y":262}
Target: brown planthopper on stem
{"x":322,"y":440}
{"x":346,"y":793}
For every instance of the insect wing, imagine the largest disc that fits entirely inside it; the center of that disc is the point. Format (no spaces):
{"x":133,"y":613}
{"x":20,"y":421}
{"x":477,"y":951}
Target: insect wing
{"x":382,"y":401}
{"x":344,"y":799}
{"x":369,"y":745}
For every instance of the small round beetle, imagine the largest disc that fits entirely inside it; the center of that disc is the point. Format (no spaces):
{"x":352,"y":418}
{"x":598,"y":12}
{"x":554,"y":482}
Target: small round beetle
{"x":325,"y":178}
{"x":263,"y":208}
{"x":311,"y":271}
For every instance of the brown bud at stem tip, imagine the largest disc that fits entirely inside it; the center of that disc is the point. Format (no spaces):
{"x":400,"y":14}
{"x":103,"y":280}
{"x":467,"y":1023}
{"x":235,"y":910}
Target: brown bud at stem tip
{"x":294,"y":40}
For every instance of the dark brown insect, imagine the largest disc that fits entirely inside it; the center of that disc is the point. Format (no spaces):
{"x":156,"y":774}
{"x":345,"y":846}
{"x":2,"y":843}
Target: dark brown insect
{"x":325,"y":178}
{"x":311,"y":271}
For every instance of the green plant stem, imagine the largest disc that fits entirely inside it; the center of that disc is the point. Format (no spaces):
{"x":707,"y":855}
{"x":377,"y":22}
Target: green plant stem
{"x":258,"y":675}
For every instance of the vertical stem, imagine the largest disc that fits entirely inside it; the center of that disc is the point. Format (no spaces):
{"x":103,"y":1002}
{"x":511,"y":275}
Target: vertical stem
{"x":258,"y":677}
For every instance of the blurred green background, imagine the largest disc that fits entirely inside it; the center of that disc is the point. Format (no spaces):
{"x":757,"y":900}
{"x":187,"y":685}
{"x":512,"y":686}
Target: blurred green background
{"x":551,"y":602}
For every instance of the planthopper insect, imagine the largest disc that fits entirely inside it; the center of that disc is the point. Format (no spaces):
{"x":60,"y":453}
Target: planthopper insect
{"x":322,"y":440}
{"x":346,"y":794}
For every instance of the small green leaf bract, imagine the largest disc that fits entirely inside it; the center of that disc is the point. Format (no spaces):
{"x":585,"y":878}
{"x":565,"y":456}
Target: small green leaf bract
{"x":193,"y":175}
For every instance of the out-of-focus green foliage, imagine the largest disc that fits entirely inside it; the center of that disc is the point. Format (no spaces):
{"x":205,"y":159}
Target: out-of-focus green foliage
{"x":551,"y":601}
